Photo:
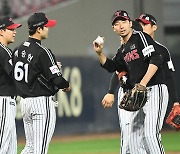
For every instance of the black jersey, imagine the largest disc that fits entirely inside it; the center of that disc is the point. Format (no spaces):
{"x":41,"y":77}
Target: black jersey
{"x":135,"y":57}
{"x":7,"y":87}
{"x":168,"y":69}
{"x":31,"y":60}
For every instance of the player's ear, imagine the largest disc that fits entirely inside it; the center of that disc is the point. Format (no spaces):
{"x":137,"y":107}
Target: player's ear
{"x":113,"y":28}
{"x":1,"y":32}
{"x":38,"y":29}
{"x":130,"y":22}
{"x":154,"y":27}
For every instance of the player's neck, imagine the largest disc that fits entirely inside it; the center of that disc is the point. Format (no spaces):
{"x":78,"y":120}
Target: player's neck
{"x":152,"y":35}
{"x":4,"y":42}
{"x":36,"y":36}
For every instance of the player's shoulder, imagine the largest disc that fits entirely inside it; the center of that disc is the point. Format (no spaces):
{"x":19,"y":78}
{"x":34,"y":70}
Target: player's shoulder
{"x":44,"y":50}
{"x":142,"y":37}
{"x":140,"y":34}
{"x":33,"y":46}
{"x":163,"y":49}
{"x":4,"y":50}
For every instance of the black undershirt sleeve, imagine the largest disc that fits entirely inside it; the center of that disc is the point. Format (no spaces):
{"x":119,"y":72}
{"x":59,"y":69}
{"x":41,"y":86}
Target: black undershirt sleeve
{"x":169,"y":74}
{"x":114,"y":82}
{"x":171,"y":87}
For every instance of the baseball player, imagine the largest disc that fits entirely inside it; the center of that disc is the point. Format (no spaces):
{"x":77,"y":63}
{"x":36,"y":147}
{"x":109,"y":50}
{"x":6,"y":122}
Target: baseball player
{"x":8,"y":139}
{"x":37,"y":78}
{"x":108,"y":99}
{"x":139,"y":56}
{"x":149,"y":25}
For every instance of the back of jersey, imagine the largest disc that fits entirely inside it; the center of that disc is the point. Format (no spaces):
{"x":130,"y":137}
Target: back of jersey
{"x":30,"y":61}
{"x":22,"y":58}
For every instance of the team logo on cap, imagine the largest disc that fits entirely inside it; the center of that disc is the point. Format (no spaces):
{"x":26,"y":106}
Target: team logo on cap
{"x":125,"y":14}
{"x":147,"y":18}
{"x":141,"y":17}
{"x":118,"y":13}
{"x":10,"y":19}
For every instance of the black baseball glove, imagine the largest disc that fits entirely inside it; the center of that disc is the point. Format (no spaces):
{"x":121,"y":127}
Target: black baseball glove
{"x":173,"y":118}
{"x":134,"y":99}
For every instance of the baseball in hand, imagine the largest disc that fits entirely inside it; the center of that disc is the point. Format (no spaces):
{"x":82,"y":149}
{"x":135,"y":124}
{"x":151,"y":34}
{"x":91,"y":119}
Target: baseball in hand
{"x":99,"y":40}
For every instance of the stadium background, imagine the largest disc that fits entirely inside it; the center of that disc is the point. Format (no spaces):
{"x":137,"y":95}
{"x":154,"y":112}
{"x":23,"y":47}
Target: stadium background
{"x":79,"y":22}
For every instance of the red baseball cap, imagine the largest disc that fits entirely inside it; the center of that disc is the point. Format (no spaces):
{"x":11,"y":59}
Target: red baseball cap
{"x":146,"y":19}
{"x":7,"y":23}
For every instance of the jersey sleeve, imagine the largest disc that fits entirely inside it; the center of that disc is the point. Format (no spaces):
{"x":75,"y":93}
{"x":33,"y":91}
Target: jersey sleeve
{"x":51,"y":70}
{"x":167,"y":61}
{"x":6,"y":61}
{"x":150,"y":49}
{"x":47,"y":63}
{"x":115,"y":64}
{"x":171,"y":86}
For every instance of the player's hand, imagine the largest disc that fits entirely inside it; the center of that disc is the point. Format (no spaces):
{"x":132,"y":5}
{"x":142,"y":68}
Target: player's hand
{"x":59,"y":64}
{"x":98,"y":44}
{"x":98,"y":48}
{"x":108,"y":100}
{"x":66,"y":89}
{"x":176,"y":103}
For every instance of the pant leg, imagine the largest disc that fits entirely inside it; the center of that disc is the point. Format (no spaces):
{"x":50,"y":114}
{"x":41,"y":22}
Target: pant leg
{"x":125,"y":131}
{"x":28,"y":126}
{"x":132,"y":127}
{"x":124,"y":117}
{"x":155,"y":110}
{"x":13,"y":143}
{"x":44,"y":118}
{"x":7,"y":126}
{"x":137,"y":133}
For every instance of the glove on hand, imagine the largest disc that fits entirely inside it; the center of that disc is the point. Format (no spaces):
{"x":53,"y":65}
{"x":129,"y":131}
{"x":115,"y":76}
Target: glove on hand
{"x":134,"y":99}
{"x":173,"y":118}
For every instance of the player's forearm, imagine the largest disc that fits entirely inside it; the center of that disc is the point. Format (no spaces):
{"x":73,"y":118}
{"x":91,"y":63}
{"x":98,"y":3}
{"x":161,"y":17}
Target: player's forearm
{"x":102,"y":58}
{"x":114,"y":82}
{"x":149,"y":74}
{"x":60,"y":82}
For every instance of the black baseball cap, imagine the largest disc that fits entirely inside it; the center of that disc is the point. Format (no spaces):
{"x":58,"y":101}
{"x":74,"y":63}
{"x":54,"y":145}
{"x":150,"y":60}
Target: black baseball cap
{"x":119,"y":15}
{"x":40,"y":19}
{"x":147,"y":19}
{"x":7,"y":23}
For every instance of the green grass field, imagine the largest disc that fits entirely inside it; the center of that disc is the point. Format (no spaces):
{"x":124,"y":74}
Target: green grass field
{"x":103,"y":144}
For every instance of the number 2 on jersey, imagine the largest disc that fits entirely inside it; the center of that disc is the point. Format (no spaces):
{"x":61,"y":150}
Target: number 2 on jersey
{"x":21,"y":71}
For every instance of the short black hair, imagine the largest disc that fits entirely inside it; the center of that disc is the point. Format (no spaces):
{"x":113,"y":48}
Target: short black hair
{"x":33,"y":31}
